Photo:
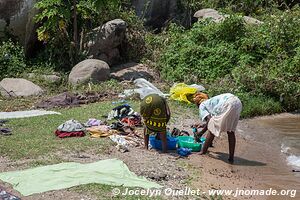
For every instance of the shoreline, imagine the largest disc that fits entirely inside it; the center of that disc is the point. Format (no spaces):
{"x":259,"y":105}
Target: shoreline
{"x":259,"y":165}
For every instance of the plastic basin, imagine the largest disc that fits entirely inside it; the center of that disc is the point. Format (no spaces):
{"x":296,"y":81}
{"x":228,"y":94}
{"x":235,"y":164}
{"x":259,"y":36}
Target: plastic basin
{"x":156,"y":144}
{"x":189,"y":142}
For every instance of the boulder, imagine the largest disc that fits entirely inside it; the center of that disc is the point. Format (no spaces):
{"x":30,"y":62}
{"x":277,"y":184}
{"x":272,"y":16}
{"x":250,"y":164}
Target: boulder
{"x":18,"y":87}
{"x":17,"y":17}
{"x":201,"y":13}
{"x":217,"y":17}
{"x":31,"y":42}
{"x":157,"y":13}
{"x":251,"y":20}
{"x":104,"y":41}
{"x":90,"y":70}
{"x":52,"y":78}
{"x":132,"y":71}
{"x":209,"y":13}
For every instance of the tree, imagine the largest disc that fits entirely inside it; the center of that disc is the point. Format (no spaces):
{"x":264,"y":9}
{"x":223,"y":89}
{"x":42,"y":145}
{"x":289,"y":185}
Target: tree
{"x":61,"y":21}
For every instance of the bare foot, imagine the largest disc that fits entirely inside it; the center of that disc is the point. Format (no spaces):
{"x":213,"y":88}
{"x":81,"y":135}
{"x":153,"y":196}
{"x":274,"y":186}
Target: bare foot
{"x":201,"y":153}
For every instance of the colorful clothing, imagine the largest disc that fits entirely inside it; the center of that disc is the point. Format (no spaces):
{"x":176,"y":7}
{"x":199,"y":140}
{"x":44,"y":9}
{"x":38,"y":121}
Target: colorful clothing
{"x":225,"y":110}
{"x":155,"y":112}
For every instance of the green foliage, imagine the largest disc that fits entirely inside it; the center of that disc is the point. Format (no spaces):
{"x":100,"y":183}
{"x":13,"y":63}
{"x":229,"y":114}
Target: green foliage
{"x":261,"y":62}
{"x":246,"y":7}
{"x":61,"y":31}
{"x":206,"y":52}
{"x":258,"y":105}
{"x":58,"y":32}
{"x":12,"y":59}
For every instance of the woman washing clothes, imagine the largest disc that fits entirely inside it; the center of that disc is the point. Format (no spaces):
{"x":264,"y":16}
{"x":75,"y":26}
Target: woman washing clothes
{"x":156,"y":114}
{"x":220,"y":114}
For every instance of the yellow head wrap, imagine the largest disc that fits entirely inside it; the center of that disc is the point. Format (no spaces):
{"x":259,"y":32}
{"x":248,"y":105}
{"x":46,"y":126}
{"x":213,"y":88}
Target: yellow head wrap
{"x":199,"y":97}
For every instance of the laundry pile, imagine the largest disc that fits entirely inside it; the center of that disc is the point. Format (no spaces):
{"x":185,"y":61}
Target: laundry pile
{"x":4,"y":195}
{"x":68,"y":99}
{"x":122,"y":130}
{"x":70,"y":128}
{"x":4,"y":130}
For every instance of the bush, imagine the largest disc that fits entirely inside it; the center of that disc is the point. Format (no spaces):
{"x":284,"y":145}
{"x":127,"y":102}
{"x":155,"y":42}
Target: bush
{"x":206,"y":52}
{"x":261,"y":62}
{"x":12,"y":60}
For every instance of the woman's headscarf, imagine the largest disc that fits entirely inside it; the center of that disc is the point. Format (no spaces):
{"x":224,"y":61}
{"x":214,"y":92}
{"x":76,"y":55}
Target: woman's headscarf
{"x":199,"y":97}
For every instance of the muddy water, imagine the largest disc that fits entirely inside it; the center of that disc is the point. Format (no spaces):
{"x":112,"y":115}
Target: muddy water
{"x":281,"y":135}
{"x":286,"y":132}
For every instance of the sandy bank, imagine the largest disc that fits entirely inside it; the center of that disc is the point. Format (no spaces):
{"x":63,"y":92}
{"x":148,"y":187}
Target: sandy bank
{"x":258,"y":163}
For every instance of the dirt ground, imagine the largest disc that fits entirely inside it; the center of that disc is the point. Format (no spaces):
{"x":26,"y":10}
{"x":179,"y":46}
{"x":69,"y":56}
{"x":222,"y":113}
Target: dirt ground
{"x":257,"y":166}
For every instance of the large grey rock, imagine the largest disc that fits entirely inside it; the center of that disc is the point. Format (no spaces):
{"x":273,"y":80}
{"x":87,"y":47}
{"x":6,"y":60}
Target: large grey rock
{"x":209,"y":13}
{"x":218,"y":17}
{"x":31,"y":42}
{"x":90,"y":70}
{"x":104,"y":41}
{"x":205,"y":11}
{"x":132,"y":71}
{"x":19,"y":87}
{"x":15,"y":15}
{"x":157,"y":13}
{"x":251,"y":20}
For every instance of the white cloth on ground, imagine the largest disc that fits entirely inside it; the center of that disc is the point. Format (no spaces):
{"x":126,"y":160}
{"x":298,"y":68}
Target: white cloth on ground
{"x":27,"y":113}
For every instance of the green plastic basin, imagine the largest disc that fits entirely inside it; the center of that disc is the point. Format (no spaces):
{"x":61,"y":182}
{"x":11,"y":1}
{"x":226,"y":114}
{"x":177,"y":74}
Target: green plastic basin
{"x":188,"y":142}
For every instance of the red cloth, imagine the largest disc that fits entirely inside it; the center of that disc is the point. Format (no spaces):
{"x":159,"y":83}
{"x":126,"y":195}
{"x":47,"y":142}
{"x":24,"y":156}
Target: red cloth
{"x":132,"y":121}
{"x":62,"y":134}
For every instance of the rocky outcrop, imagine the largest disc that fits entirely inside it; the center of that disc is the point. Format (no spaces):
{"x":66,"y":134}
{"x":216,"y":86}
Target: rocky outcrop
{"x":156,"y":12}
{"x":104,"y":42}
{"x":18,"y":87}
{"x":17,"y":17}
{"x":132,"y":71}
{"x":251,"y":20}
{"x":90,"y":70}
{"x":217,"y":17}
{"x":209,"y":13}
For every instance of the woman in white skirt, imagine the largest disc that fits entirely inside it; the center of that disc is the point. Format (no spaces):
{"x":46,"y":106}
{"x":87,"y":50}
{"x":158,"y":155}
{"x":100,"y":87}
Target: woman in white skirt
{"x":221,"y":114}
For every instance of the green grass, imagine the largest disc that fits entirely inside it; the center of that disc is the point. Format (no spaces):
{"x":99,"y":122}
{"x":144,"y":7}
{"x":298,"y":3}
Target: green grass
{"x":109,"y":87}
{"x":258,"y":105}
{"x":34,"y":137}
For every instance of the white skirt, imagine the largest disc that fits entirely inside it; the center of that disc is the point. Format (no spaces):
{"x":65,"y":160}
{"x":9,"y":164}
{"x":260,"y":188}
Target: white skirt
{"x":228,"y":118}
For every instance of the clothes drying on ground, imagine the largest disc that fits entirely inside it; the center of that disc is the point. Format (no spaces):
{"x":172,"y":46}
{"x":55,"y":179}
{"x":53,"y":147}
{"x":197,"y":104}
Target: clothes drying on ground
{"x":120,"y":112}
{"x":101,"y":131}
{"x":62,"y":134}
{"x":68,"y":99}
{"x":4,"y":195}
{"x":4,"y":130}
{"x":184,"y":92}
{"x":71,"y":126}
{"x":27,"y":113}
{"x":65,"y":175}
{"x":134,"y":120}
{"x":93,"y":122}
